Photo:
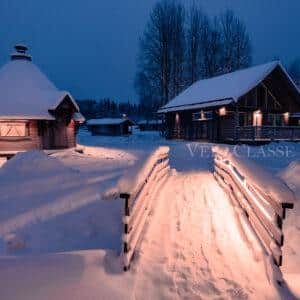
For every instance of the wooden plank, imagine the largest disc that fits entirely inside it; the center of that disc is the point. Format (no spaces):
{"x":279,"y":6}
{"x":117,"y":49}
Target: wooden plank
{"x":259,"y":227}
{"x":270,"y":225}
{"x":260,"y":230}
{"x":133,"y":237}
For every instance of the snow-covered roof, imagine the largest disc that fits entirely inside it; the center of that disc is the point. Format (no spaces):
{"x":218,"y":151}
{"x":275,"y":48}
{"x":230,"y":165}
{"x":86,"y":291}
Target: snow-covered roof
{"x":225,"y":87}
{"x":25,"y":92}
{"x":77,"y":116}
{"x":107,"y":121}
{"x":150,"y":122}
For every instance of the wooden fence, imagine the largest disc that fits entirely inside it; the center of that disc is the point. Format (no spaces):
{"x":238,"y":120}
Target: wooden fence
{"x":264,"y":213}
{"x":138,"y":203}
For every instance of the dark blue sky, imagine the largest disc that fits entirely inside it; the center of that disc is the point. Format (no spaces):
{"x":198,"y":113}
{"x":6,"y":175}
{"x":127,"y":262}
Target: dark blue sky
{"x":89,"y":47}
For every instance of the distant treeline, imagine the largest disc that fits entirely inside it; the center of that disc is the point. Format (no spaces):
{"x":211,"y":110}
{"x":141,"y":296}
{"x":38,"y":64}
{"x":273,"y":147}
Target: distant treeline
{"x":107,"y":107}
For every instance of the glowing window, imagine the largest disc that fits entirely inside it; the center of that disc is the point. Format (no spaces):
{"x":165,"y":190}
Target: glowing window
{"x":13,"y":129}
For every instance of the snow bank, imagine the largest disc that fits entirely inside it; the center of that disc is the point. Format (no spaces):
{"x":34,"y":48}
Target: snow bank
{"x":91,"y":275}
{"x":55,"y":206}
{"x":108,"y":153}
{"x":33,"y":163}
{"x":138,"y":173}
{"x":291,"y":175}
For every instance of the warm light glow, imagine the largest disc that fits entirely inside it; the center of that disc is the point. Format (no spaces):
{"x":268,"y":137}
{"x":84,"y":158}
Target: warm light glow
{"x":286,"y":117}
{"x":257,"y":118}
{"x":222,"y":111}
{"x":202,"y":115}
{"x":177,"y":118}
{"x":257,"y":112}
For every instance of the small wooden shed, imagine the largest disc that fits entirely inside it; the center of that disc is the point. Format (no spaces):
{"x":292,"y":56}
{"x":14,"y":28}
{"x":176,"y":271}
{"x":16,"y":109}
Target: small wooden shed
{"x":34,"y":114}
{"x":110,"y":126}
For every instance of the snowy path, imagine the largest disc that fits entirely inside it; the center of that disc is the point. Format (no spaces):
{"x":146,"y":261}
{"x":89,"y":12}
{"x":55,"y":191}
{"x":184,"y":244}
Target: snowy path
{"x":194,"y":247}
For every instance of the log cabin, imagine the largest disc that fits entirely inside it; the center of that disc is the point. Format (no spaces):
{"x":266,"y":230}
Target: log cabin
{"x":258,"y":104}
{"x":110,"y":126}
{"x":34,"y":114}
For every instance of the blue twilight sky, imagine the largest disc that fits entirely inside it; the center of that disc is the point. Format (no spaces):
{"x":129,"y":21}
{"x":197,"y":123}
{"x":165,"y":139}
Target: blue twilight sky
{"x":90,"y":47}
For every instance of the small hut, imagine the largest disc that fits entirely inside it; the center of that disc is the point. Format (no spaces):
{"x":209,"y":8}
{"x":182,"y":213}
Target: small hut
{"x":150,"y":125}
{"x":34,"y":114}
{"x":110,"y":126}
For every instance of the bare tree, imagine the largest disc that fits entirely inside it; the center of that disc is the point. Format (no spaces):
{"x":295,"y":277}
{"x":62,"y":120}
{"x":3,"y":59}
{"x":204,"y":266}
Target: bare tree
{"x":177,"y":49}
{"x":161,"y":59}
{"x":155,"y":52}
{"x":204,"y":46}
{"x":212,"y":49}
{"x":197,"y":29}
{"x":236,"y":46}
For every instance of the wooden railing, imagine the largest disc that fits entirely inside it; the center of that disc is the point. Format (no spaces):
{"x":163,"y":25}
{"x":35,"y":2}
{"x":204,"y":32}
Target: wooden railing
{"x":264,"y":212}
{"x":256,"y":133}
{"x":138,"y":203}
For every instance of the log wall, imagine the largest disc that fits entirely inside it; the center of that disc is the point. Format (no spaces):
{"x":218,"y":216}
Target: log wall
{"x":41,"y":135}
{"x":30,"y":142}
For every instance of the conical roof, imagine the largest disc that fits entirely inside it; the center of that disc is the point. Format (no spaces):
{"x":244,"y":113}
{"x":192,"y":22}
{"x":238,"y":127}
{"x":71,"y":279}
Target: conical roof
{"x":25,"y":92}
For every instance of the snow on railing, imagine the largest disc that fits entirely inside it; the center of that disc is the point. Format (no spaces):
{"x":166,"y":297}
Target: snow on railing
{"x":138,"y":197}
{"x":262,"y":197}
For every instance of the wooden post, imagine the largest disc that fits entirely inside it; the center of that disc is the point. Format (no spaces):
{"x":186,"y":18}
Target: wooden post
{"x":126,"y":197}
{"x":236,"y":122}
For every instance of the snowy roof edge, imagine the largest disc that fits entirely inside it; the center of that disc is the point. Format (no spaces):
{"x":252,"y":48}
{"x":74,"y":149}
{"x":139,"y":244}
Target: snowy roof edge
{"x":27,"y":117}
{"x":210,"y":103}
{"x":65,"y":93}
{"x":78,"y":117}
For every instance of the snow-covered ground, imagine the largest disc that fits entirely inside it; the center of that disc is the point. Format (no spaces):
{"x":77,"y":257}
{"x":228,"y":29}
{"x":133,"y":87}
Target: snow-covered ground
{"x":57,"y":203}
{"x":194,"y":246}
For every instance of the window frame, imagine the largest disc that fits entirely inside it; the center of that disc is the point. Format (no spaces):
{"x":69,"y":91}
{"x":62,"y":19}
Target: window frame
{"x":25,"y":129}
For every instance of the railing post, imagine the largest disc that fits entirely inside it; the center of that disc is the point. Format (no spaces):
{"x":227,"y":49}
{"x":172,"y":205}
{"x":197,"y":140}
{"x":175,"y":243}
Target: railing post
{"x":126,"y":197}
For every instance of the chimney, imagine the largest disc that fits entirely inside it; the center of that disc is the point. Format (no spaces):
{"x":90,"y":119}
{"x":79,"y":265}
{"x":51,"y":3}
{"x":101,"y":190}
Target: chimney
{"x":20,"y":53}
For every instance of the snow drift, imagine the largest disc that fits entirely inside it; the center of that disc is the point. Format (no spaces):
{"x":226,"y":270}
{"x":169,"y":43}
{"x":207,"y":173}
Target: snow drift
{"x":50,"y":207}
